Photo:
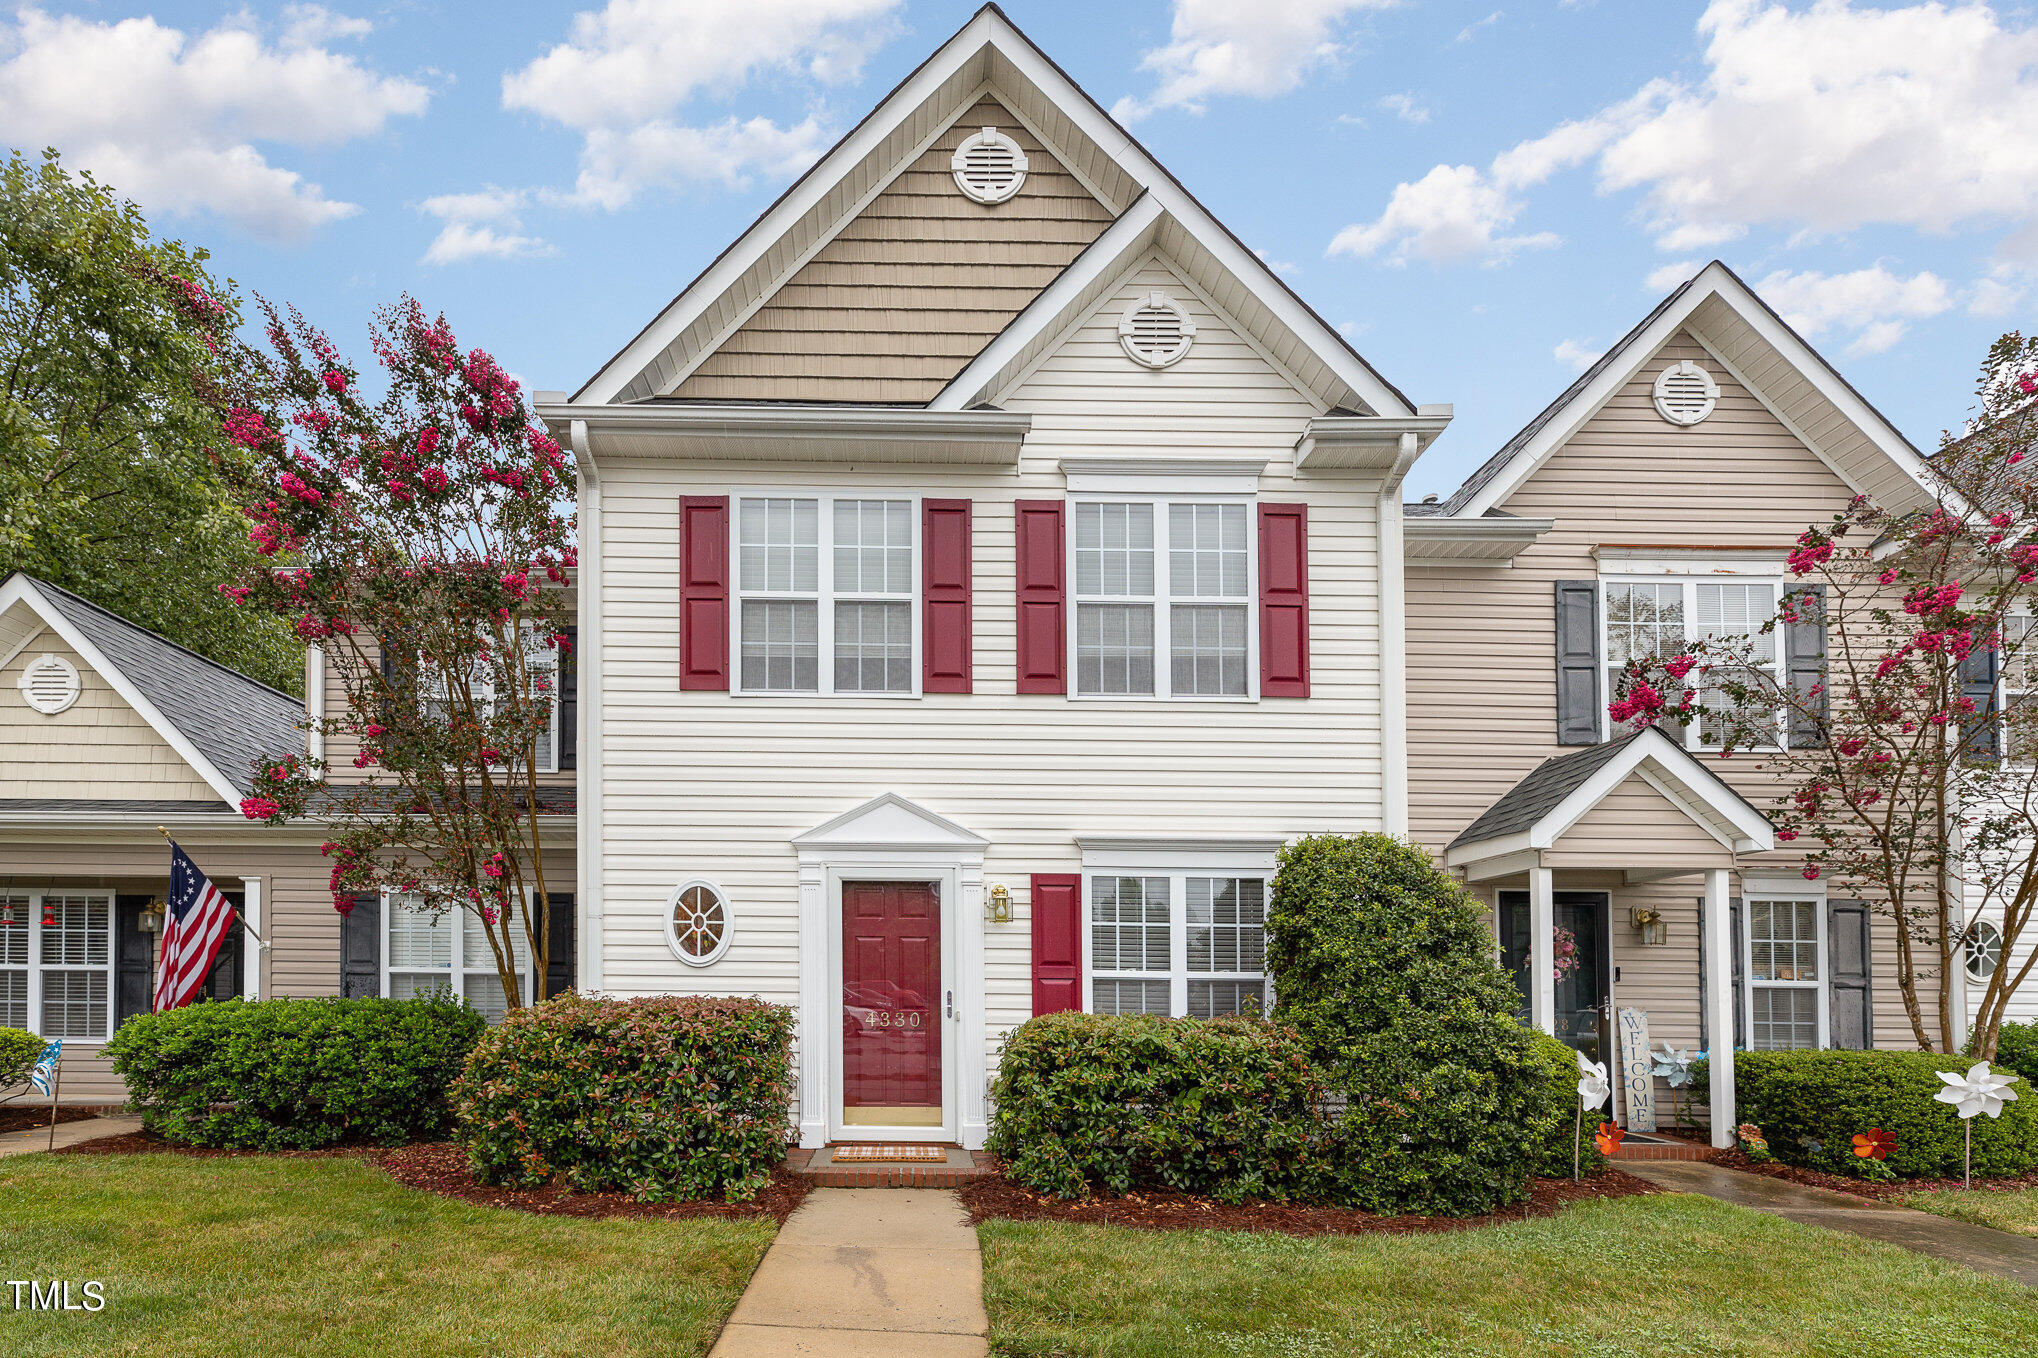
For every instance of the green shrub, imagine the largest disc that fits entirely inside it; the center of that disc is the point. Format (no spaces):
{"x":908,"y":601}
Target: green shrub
{"x":1810,"y":1105}
{"x":1555,"y":1119}
{"x":668,"y":1099}
{"x":280,"y":1074}
{"x":2017,"y":1049}
{"x":18,"y":1051}
{"x":1387,"y":969}
{"x":1225,"y":1107}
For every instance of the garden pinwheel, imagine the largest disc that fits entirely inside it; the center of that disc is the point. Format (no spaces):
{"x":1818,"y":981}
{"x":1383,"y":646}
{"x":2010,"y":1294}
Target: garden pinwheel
{"x":1592,"y":1092}
{"x":1981,"y":1090}
{"x":1874,"y":1143}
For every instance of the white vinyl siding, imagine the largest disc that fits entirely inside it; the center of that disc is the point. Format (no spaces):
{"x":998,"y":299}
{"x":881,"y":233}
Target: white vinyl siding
{"x":426,"y":952}
{"x":1176,"y":943}
{"x":1163,"y":594}
{"x":1786,"y":971}
{"x":825,"y":589}
{"x":56,"y":979}
{"x":1662,"y":618}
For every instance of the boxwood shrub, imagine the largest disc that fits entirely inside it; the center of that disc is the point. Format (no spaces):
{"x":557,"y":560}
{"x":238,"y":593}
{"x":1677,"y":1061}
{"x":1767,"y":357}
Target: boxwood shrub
{"x":1555,"y":1119}
{"x":1224,"y":1107}
{"x":2017,"y":1049}
{"x":668,"y":1099}
{"x":292,"y":1074}
{"x":1810,"y":1105}
{"x":18,"y":1051}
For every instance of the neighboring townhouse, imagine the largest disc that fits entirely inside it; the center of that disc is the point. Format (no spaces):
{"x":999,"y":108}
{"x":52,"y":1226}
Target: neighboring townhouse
{"x":1652,"y":503}
{"x":988,"y":564}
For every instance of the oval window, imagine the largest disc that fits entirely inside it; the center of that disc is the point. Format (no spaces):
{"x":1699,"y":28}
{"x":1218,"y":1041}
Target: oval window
{"x":697,"y":922}
{"x":1985,"y":953}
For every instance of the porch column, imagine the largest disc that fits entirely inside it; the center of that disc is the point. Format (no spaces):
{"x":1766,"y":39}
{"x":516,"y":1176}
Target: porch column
{"x":1542,"y":950}
{"x":1719,"y":1005}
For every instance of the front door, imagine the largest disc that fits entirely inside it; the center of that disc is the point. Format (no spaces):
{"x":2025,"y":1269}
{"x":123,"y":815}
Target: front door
{"x":891,"y":1005}
{"x":1584,"y":990}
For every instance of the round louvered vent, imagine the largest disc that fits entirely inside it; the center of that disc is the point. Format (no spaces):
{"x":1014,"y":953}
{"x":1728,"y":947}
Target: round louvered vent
{"x":1685,"y":393}
{"x":50,"y":684}
{"x":989,"y":167}
{"x":1156,"y":331}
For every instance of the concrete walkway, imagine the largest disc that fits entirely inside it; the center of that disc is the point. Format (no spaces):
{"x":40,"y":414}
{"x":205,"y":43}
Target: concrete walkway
{"x":866,"y":1273}
{"x":1978,"y":1247}
{"x":68,"y":1134}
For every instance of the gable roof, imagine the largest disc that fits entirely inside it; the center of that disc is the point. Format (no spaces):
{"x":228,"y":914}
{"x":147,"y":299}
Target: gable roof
{"x":1762,"y":352}
{"x":987,"y":53}
{"x":218,"y":719}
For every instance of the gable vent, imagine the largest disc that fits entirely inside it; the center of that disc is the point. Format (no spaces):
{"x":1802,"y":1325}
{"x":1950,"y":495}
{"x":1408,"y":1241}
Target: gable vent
{"x":1156,"y":331}
{"x":50,"y":684}
{"x":989,"y":167}
{"x":1685,"y":393}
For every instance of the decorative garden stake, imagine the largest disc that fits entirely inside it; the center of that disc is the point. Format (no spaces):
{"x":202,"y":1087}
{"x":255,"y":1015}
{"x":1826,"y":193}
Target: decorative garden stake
{"x":1874,"y":1143}
{"x":1607,"y":1138}
{"x":1981,"y":1090}
{"x":1592,"y":1092}
{"x":1674,"y":1065}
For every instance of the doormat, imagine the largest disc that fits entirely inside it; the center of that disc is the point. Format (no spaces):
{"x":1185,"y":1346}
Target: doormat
{"x":866,"y":1154}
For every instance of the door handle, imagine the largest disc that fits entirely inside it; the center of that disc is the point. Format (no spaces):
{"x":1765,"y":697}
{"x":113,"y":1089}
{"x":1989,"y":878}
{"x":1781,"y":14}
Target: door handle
{"x":951,"y":1004}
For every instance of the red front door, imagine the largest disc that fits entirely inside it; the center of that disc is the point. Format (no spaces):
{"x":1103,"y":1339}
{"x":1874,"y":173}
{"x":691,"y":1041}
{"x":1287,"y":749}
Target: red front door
{"x":891,"y":1004}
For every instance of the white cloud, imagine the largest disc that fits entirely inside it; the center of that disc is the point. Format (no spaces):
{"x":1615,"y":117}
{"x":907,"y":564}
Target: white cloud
{"x":1473,"y":29}
{"x":627,"y":71}
{"x":1997,"y":295}
{"x":171,"y":120}
{"x":481,"y":225}
{"x":1405,"y":107}
{"x":313,"y":25}
{"x":1874,"y":304}
{"x":1286,"y":268}
{"x":1256,"y":48}
{"x":1668,"y":276}
{"x":1454,"y":212}
{"x":1575,"y":356}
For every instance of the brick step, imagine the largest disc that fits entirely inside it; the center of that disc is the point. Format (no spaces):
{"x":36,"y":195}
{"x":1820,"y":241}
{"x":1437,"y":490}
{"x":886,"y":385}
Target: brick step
{"x":1676,"y":1150}
{"x":962,"y":1166}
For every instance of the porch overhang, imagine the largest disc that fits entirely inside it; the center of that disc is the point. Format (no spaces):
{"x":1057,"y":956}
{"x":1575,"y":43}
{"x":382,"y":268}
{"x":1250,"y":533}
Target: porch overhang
{"x":863,"y":435}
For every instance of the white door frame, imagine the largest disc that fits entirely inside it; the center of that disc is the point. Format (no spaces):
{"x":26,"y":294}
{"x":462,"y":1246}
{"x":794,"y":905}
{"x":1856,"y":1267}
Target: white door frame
{"x":891,"y":839}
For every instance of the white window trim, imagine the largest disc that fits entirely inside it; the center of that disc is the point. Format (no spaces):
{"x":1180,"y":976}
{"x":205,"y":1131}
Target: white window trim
{"x":458,"y":968}
{"x":1815,"y":892}
{"x":548,"y":751}
{"x":1177,"y":869}
{"x":825,"y":593}
{"x":1163,"y":601}
{"x":1739,"y":574}
{"x":672,"y":929}
{"x":36,"y":965}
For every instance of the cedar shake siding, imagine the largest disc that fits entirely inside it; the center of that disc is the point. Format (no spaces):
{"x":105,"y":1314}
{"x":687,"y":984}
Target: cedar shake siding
{"x":911,"y":287}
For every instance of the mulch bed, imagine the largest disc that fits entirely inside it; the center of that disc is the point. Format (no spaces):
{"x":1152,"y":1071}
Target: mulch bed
{"x":441,"y":1167}
{"x":1736,"y":1158}
{"x":996,"y":1198}
{"x":29,"y":1116}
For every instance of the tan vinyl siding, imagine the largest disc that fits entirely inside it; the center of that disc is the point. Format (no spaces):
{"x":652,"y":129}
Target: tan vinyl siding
{"x":99,"y":746}
{"x":912,"y":287}
{"x":1639,"y":827}
{"x":1481,"y":647}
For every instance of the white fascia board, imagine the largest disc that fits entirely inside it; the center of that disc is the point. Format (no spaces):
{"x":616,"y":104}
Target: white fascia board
{"x":1478,"y":851}
{"x":1502,"y":865}
{"x":1341,"y":442}
{"x":931,"y":831}
{"x":853,"y":423}
{"x":1474,"y":542}
{"x":20,"y":590}
{"x":1700,"y":793}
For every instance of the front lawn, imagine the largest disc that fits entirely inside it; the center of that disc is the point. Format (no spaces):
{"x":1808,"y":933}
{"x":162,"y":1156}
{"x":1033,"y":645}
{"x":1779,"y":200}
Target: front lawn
{"x":267,"y":1255}
{"x":1650,"y":1277}
{"x":2006,"y":1209}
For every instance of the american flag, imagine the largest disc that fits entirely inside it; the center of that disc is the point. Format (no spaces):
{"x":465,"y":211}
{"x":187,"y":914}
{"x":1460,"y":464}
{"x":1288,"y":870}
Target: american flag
{"x":194,"y":926}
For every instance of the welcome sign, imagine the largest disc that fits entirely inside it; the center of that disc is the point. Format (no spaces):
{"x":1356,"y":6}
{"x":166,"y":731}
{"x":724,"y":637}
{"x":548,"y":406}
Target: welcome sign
{"x":1636,"y":1069}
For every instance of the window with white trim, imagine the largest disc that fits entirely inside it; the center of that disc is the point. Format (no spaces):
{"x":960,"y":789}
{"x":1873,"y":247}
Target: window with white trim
{"x":541,"y":663}
{"x":1182,"y":943}
{"x":56,"y":963}
{"x":2014,"y":677}
{"x":1665,"y":617}
{"x":826,"y":579}
{"x":1157,"y":578}
{"x":1786,"y":973}
{"x":425,"y":952}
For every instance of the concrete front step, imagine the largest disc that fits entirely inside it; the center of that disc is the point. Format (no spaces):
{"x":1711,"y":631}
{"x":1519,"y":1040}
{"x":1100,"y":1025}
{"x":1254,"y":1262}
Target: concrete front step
{"x":959,"y":1167}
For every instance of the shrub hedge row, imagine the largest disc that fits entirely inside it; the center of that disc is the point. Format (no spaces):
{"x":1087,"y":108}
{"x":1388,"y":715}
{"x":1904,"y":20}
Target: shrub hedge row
{"x":18,"y":1051}
{"x":2017,"y":1049}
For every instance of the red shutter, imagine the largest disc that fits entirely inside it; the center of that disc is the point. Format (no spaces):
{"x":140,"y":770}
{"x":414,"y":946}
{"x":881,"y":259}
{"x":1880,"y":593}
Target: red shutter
{"x":944,"y":587}
{"x":1057,"y":942}
{"x":704,"y":592}
{"x":1042,"y":628}
{"x":1284,"y":601}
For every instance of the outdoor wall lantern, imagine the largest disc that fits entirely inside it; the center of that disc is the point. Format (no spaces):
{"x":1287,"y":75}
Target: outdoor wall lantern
{"x":151,"y":918}
{"x":999,"y":911}
{"x":1654,"y":931}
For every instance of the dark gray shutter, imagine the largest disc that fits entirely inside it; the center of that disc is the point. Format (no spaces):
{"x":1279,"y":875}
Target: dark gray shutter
{"x":1848,"y":1003}
{"x":133,"y":958}
{"x":559,"y":955}
{"x":1734,"y":945}
{"x":1577,"y":635}
{"x":1804,"y":659}
{"x":1736,"y":917}
{"x":223,"y":982}
{"x":361,"y":949}
{"x":569,"y":700}
{"x":1982,"y":732}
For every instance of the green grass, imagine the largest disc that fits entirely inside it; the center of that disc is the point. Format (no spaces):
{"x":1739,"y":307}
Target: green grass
{"x":1651,"y":1277}
{"x":265,"y":1256}
{"x":2006,"y":1209}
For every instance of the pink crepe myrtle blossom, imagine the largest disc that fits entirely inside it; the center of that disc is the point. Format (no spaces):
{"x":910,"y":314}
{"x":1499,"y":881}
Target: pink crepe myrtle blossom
{"x":260,"y":808}
{"x":336,"y":381}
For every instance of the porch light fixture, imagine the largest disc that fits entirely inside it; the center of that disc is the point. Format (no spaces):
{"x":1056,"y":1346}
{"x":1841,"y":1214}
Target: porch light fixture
{"x":999,"y":910}
{"x":1655,"y":933}
{"x":151,"y":918}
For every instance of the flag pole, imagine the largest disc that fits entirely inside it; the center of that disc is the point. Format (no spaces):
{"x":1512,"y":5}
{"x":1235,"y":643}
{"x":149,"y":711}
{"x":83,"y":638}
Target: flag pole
{"x":237,"y":910}
{"x":56,"y":1088}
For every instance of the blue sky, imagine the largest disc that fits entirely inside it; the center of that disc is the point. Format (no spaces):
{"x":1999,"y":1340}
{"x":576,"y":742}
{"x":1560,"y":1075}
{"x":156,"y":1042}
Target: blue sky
{"x":1480,"y":195}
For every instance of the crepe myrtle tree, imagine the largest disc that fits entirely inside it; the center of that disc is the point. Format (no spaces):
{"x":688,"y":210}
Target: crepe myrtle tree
{"x":1903,"y":770}
{"x":418,"y":537}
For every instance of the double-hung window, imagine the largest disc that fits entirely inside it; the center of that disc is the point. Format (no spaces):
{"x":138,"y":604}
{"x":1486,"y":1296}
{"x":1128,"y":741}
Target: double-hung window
{"x":825,"y":594}
{"x":1177,"y":943}
{"x":426,"y":952}
{"x":1665,"y":617}
{"x":541,"y":663}
{"x":2016,"y":678}
{"x":1786,"y":973}
{"x":1163,"y":594}
{"x":56,"y":963}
